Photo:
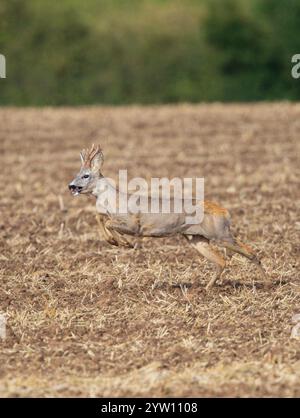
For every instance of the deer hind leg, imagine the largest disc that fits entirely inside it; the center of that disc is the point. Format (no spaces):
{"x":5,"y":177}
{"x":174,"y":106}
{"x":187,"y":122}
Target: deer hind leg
{"x":236,"y":246}
{"x":202,"y":245}
{"x":229,"y":253}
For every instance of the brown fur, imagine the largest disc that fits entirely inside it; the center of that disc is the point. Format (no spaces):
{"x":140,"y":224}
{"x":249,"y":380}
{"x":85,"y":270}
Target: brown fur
{"x":214,"y":209}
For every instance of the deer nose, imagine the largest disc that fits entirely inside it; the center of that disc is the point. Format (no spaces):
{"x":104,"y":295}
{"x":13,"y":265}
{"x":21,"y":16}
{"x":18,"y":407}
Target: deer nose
{"x":73,"y":188}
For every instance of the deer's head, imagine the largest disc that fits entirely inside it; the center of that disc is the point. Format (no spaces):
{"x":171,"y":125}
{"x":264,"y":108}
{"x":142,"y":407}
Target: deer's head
{"x":90,"y":171}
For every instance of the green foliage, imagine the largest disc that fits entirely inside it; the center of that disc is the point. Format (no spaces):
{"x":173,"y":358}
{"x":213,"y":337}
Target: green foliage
{"x":147,"y":51}
{"x":255,"y":42}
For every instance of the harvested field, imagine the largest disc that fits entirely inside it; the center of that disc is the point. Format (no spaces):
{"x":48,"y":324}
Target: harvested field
{"x":88,"y":319}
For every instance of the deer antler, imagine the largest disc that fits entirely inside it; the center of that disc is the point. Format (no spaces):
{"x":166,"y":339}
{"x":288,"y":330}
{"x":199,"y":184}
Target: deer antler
{"x":87,"y":156}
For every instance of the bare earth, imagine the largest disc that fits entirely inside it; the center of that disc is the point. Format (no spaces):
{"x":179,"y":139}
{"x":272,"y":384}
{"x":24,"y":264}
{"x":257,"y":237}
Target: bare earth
{"x":88,"y":319}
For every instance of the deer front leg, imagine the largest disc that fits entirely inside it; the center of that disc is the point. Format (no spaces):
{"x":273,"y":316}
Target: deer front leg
{"x":116,"y":235}
{"x":202,"y":245}
{"x":106,"y":234}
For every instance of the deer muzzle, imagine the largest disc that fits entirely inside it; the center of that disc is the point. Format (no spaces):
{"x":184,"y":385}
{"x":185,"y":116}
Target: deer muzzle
{"x":75,"y":190}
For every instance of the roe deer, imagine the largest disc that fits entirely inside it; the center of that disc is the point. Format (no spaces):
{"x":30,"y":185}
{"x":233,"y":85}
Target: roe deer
{"x":214,"y":227}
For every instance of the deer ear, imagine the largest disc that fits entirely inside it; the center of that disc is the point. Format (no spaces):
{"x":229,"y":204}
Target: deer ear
{"x":97,"y":161}
{"x":82,"y":157}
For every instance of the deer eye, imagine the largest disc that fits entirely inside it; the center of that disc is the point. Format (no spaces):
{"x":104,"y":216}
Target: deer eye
{"x":86,"y":176}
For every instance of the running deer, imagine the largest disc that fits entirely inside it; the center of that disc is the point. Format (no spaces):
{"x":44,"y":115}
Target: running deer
{"x":214,"y":227}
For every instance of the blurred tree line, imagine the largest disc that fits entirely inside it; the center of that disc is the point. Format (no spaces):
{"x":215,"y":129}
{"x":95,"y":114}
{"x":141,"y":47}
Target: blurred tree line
{"x":148,"y":51}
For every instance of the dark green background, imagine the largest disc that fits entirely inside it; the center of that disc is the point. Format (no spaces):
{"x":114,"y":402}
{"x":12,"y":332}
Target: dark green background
{"x":148,"y":51}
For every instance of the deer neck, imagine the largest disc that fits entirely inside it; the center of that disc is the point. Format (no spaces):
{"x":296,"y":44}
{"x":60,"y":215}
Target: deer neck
{"x":107,"y":195}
